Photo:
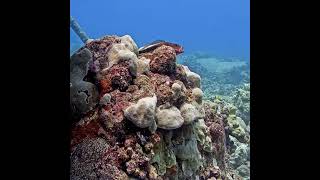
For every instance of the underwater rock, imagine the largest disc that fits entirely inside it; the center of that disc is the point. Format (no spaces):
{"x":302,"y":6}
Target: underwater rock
{"x":241,"y":99}
{"x":162,"y":85}
{"x":164,"y":158}
{"x":212,"y":172}
{"x":197,"y":94}
{"x":129,"y":43}
{"x":203,"y":135}
{"x":168,"y":117}
{"x":240,"y":157}
{"x":219,"y":76}
{"x":236,"y":129}
{"x":85,"y":157}
{"x":137,"y":163}
{"x":244,"y":171}
{"x":189,"y":113}
{"x":139,"y":94}
{"x":99,"y":49}
{"x":187,"y":153}
{"x":130,"y":158}
{"x":177,"y":155}
{"x":142,"y":114}
{"x":177,"y":89}
{"x":107,"y":171}
{"x":143,"y":65}
{"x":111,"y":115}
{"x":229,"y":109}
{"x":243,"y":124}
{"x":181,"y":74}
{"x":191,"y":163}
{"x":158,"y":79}
{"x":83,"y":95}
{"x":162,"y":60}
{"x":87,"y":127}
{"x":105,"y":99}
{"x":143,"y":82}
{"x":79,"y":65}
{"x":163,"y":93}
{"x":117,"y":77}
{"x":194,"y":80}
{"x":116,"y":53}
{"x":215,"y":122}
{"x":143,"y":87}
{"x":119,"y":53}
{"x":153,"y":175}
{"x":83,"y":98}
{"x":178,"y":96}
{"x":200,"y":108}
{"x":120,"y":101}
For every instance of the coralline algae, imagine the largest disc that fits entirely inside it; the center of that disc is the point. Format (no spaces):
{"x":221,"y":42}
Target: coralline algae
{"x":149,"y":121}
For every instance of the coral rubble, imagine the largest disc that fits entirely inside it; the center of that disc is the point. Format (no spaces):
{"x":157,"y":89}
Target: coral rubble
{"x":143,"y":117}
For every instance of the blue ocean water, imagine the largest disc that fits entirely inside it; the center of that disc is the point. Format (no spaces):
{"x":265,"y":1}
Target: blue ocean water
{"x":220,"y":27}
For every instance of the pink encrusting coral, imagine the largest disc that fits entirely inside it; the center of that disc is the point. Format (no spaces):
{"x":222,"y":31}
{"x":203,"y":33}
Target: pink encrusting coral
{"x":148,"y":115}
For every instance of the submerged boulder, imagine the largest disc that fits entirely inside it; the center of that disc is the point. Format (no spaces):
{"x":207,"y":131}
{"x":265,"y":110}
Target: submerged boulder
{"x":197,"y":95}
{"x":129,"y":43}
{"x":168,"y":117}
{"x":83,"y":95}
{"x":143,"y":66}
{"x":162,"y":60}
{"x":142,"y":114}
{"x":194,"y":79}
{"x":189,"y":113}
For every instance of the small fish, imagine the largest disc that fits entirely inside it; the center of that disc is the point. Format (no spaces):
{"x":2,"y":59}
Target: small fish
{"x":155,"y":44}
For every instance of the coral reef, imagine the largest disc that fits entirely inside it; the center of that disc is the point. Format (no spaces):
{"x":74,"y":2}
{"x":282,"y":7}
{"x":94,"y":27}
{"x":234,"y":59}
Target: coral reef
{"x":197,"y":94}
{"x":219,"y":76}
{"x":162,"y":60}
{"x":143,"y":65}
{"x":238,"y":137}
{"x":83,"y":94}
{"x":236,"y":129}
{"x":241,"y":99}
{"x":189,"y":113}
{"x":148,"y":119}
{"x":85,"y":158}
{"x":194,"y":80}
{"x":169,"y":117}
{"x":240,"y":157}
{"x":142,"y":114}
{"x":203,"y":135}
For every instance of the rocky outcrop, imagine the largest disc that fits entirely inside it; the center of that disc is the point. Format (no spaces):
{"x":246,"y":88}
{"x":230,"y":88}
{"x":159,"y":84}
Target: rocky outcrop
{"x":148,"y":115}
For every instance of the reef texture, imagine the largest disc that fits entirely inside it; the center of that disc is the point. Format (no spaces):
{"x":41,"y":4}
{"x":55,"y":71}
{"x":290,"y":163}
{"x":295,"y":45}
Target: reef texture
{"x":143,"y":117}
{"x":220,"y":76}
{"x":241,"y":99}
